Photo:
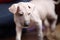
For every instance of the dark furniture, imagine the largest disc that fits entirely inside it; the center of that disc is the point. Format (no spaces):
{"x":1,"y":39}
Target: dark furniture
{"x":7,"y":26}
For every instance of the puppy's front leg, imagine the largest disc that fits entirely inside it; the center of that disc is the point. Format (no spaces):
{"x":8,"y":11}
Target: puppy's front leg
{"x":40,"y":32}
{"x":18,"y":32}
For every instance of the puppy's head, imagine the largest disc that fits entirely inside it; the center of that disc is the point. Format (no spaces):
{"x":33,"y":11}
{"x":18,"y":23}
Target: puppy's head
{"x":22,"y":10}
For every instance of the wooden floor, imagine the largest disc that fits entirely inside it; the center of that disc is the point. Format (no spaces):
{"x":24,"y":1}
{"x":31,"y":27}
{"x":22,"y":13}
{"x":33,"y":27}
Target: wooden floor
{"x":33,"y":35}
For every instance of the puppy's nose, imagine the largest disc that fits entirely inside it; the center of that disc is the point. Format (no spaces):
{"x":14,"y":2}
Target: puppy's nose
{"x":25,"y":24}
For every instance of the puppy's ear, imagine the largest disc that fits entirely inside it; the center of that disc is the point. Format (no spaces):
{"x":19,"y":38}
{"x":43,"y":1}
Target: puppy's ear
{"x":13,"y":8}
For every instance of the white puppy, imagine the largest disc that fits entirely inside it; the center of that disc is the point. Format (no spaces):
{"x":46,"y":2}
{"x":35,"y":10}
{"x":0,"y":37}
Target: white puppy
{"x":36,"y":10}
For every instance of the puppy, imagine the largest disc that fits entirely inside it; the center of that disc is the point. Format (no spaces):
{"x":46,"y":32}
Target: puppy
{"x":38,"y":11}
{"x":22,"y":12}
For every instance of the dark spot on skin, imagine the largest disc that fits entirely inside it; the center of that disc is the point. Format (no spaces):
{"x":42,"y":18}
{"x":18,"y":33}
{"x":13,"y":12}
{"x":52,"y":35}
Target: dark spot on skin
{"x":29,"y":6}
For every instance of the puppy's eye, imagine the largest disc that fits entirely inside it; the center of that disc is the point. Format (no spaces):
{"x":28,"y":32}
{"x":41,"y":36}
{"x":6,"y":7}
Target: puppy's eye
{"x":20,"y":14}
{"x":28,"y":13}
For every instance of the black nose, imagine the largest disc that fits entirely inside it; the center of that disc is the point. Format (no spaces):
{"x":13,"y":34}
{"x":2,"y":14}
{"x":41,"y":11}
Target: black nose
{"x":25,"y":24}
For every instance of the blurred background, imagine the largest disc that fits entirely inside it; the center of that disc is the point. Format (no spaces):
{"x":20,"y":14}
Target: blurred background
{"x":7,"y":25}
